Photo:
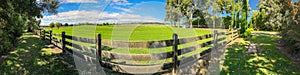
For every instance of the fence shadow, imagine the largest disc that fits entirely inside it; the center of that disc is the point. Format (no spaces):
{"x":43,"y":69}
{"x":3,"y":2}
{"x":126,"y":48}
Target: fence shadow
{"x":32,"y":56}
{"x":269,"y":61}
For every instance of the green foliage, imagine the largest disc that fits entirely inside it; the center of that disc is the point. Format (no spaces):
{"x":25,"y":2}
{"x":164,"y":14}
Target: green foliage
{"x":290,"y":32}
{"x":200,"y":23}
{"x":227,"y":21}
{"x":16,"y":16}
{"x":58,"y":24}
{"x":66,"y":24}
{"x":247,"y":33}
{"x":24,"y":59}
{"x":280,"y":13}
{"x":245,"y":10}
{"x":105,"y":23}
{"x":189,"y":10}
{"x":51,"y":25}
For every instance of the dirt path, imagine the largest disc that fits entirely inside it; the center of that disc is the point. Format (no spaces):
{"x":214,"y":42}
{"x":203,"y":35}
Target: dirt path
{"x":33,"y":56}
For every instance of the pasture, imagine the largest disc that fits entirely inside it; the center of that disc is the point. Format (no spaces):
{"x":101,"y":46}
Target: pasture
{"x":137,"y":33}
{"x":129,"y":32}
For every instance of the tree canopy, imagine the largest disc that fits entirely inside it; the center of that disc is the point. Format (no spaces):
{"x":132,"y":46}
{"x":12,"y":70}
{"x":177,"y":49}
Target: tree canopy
{"x":17,"y":15}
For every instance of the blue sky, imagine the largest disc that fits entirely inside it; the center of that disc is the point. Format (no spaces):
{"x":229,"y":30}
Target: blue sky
{"x":113,"y":11}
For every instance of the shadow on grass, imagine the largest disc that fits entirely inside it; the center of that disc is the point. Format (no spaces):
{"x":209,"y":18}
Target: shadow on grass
{"x":33,"y":57}
{"x":269,"y":61}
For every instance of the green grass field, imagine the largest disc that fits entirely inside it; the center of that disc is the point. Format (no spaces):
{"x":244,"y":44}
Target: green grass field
{"x":129,"y":32}
{"x":269,"y":62}
{"x":34,"y":57}
{"x":136,"y":33}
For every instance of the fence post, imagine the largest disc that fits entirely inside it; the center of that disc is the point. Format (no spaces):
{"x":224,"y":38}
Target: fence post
{"x":40,"y":32}
{"x":231,"y":36}
{"x":175,"y":53}
{"x":50,"y":36}
{"x":99,"y":51}
{"x":215,"y":39}
{"x":98,"y":46}
{"x":44,"y":34}
{"x":63,"y":39}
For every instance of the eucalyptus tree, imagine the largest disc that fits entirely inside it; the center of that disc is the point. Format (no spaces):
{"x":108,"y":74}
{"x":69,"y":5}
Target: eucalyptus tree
{"x":278,"y":12}
{"x":58,"y":24}
{"x":15,"y":14}
{"x":173,"y":12}
{"x":190,"y":9}
{"x":245,"y":10}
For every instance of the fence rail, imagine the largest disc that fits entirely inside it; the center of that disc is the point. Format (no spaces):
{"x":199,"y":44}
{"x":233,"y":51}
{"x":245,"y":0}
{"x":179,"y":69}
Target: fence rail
{"x":77,"y":49}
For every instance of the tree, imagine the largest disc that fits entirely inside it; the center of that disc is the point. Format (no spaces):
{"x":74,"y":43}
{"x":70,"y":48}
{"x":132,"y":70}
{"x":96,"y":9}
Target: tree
{"x":58,"y":24}
{"x":66,"y":24}
{"x":178,"y":10}
{"x":173,"y":12}
{"x":279,"y":13}
{"x":291,"y":24}
{"x":18,"y":15}
{"x":51,"y":25}
{"x":227,"y":21}
{"x":245,"y":10}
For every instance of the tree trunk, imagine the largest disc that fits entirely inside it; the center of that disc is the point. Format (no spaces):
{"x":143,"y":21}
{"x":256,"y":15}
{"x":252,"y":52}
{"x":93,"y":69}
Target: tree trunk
{"x":191,"y":21}
{"x":178,"y":24}
{"x":29,"y":29}
{"x":198,"y":22}
{"x":232,"y":15}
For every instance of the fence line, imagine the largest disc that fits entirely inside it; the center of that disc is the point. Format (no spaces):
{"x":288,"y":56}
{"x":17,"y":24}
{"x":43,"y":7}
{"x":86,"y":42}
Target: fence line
{"x":169,"y":66}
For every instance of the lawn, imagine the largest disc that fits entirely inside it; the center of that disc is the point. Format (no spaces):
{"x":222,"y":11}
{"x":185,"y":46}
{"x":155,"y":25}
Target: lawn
{"x":269,"y":62}
{"x":130,"y":32}
{"x":33,"y":57}
{"x":136,"y":33}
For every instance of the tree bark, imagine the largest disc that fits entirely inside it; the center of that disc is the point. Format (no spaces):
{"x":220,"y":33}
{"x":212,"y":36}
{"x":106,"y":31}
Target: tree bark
{"x":191,"y":21}
{"x":178,"y":24}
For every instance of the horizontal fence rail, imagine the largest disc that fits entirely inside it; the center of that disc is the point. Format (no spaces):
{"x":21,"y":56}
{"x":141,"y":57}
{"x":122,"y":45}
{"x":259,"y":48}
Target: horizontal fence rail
{"x":95,"y":54}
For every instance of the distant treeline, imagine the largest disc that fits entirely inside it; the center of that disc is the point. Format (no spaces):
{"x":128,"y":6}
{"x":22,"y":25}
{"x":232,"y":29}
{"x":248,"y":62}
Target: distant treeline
{"x":106,"y":23}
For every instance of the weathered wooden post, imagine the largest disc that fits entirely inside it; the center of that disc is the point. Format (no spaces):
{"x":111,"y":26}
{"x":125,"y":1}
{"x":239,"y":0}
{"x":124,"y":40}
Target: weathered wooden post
{"x":215,"y":39}
{"x":44,"y":35}
{"x":50,"y":38}
{"x":175,"y":53}
{"x":99,"y":51}
{"x":63,"y":39}
{"x":40,"y":33}
{"x":98,"y":47}
{"x":232,"y":37}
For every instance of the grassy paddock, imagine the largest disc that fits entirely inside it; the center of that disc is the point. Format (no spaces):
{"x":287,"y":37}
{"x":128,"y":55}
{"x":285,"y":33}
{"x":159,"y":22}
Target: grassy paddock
{"x":137,"y":33}
{"x":130,"y":32}
{"x":34,"y":57}
{"x":269,"y":62}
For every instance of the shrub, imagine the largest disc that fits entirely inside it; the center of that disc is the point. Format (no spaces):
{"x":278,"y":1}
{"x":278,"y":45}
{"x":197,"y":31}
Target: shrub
{"x":248,"y":32}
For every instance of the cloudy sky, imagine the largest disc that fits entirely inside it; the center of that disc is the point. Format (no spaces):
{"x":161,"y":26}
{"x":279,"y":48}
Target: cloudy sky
{"x":112,"y":11}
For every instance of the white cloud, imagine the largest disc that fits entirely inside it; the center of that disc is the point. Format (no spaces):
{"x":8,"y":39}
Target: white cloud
{"x":119,"y":2}
{"x":96,"y":17}
{"x":79,"y":1}
{"x":123,"y":9}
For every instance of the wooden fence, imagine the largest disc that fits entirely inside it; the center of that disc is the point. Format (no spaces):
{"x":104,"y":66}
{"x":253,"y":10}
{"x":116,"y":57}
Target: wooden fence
{"x":167,"y":67}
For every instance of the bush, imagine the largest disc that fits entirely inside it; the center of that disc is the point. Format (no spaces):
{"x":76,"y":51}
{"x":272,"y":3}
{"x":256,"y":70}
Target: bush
{"x":248,"y":32}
